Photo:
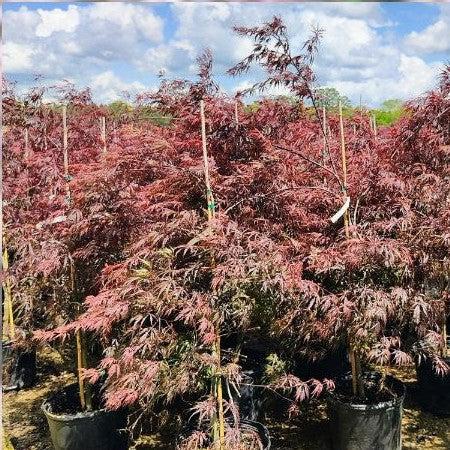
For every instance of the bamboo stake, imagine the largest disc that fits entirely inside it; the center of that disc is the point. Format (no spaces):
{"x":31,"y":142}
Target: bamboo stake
{"x":26,"y":143}
{"x":344,"y":170}
{"x":79,"y":369}
{"x":81,"y":354}
{"x":375,"y":132}
{"x":26,"y":156}
{"x":66,"y":156}
{"x":45,"y":137}
{"x":354,"y":363}
{"x":6,"y":441}
{"x":324,"y":133}
{"x":236,"y":116}
{"x":217,"y":383}
{"x":87,"y":389}
{"x":65,"y":152}
{"x":8,"y":319}
{"x":103,"y":132}
{"x":444,"y":336}
{"x":209,"y":194}
{"x":370,"y":123}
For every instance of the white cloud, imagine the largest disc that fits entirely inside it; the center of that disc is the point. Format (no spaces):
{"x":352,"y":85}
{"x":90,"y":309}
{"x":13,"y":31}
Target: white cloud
{"x":416,"y":75}
{"x":79,"y":39}
{"x":354,"y":56}
{"x":434,"y":38}
{"x":108,"y":87}
{"x":57,"y":20}
{"x":129,"y":18}
{"x":17,"y":57}
{"x":95,"y":43}
{"x":346,"y":41}
{"x":413,"y":78}
{"x":173,"y":58}
{"x":71,"y":48}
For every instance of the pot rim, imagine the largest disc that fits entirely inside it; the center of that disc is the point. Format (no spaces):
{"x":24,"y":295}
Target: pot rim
{"x":368,"y":407}
{"x":396,"y":401}
{"x":262,"y":430}
{"x":81,"y":415}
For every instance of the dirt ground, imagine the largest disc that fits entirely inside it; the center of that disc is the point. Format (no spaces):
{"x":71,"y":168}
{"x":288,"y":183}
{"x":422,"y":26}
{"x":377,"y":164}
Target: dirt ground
{"x":23,"y":420}
{"x":27,"y":428}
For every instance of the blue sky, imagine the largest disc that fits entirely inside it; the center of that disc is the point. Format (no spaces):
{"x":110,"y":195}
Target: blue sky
{"x":376,"y":50}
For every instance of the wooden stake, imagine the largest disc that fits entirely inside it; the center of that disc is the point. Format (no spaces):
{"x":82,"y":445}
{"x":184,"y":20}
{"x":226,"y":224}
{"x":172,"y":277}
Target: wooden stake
{"x":26,"y":156}
{"x":209,"y":194}
{"x":357,"y":386}
{"x":84,"y":393}
{"x":81,"y":353}
{"x":8,"y":318}
{"x":79,"y":369}
{"x":220,"y":394}
{"x":217,"y":382}
{"x":103,"y":132}
{"x":66,"y":158}
{"x":26,"y":144}
{"x":375,"y":126}
{"x":324,"y":129}
{"x":444,"y":336}
{"x":344,"y":170}
{"x":236,"y":116}
{"x":6,"y":441}
{"x":353,"y":366}
{"x":65,"y":151}
{"x":45,"y":137}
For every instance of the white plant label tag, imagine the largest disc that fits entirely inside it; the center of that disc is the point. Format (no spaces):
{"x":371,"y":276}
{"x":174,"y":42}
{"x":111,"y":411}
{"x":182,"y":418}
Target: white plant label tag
{"x":341,"y":211}
{"x":57,"y":219}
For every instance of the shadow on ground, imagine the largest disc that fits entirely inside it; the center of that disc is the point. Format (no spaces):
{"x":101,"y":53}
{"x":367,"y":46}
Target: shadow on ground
{"x":28,"y":430}
{"x":23,"y":419}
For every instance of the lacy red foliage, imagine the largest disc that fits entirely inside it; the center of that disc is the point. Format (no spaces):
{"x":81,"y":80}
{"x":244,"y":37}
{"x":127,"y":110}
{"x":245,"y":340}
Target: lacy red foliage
{"x":159,"y":282}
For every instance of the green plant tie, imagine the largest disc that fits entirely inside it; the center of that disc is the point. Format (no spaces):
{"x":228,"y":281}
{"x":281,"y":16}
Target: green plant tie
{"x":211,"y":203}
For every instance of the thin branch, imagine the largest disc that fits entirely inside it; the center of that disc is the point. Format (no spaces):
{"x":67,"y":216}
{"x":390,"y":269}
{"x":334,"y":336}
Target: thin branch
{"x":281,"y":191}
{"x":294,"y":152}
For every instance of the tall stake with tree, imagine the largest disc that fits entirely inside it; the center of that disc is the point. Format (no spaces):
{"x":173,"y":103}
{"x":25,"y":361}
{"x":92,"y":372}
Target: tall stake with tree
{"x":218,"y":422}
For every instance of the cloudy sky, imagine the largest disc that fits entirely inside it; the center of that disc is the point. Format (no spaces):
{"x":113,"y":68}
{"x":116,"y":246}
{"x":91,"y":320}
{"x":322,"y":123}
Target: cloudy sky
{"x":377,"y":50}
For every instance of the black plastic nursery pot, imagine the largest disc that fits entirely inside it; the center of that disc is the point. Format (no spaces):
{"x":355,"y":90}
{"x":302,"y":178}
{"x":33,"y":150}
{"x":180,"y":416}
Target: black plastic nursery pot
{"x":367,"y":426}
{"x":434,"y":389}
{"x":247,"y":396}
{"x":98,"y":429}
{"x":254,"y":401}
{"x":20,"y":367}
{"x":258,"y":428}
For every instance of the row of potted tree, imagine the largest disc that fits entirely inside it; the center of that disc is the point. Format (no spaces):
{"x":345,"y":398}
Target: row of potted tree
{"x":185,"y":258}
